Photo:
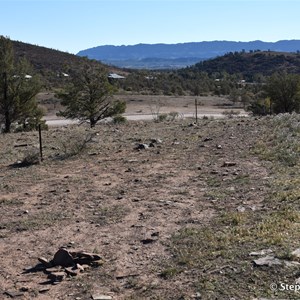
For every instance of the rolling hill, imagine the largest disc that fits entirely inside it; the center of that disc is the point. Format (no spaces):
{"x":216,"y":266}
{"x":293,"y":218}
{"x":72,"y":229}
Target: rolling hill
{"x":52,"y":64}
{"x":250,"y":64}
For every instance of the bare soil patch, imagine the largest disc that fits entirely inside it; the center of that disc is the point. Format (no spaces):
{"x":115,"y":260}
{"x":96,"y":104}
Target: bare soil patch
{"x":164,"y":219}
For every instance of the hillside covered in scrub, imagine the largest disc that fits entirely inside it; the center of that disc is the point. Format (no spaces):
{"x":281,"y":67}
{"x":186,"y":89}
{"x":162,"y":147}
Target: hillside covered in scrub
{"x":53,"y":65}
{"x":250,"y":66}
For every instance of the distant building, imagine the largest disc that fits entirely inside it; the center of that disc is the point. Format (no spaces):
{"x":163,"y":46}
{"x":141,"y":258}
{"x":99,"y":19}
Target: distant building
{"x":115,"y":76}
{"x":62,"y":74}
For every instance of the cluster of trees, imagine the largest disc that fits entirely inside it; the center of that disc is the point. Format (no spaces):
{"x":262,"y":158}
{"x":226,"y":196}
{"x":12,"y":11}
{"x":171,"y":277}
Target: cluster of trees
{"x":18,"y":88}
{"x":278,"y":93}
{"x":87,"y":96}
{"x":176,"y":83}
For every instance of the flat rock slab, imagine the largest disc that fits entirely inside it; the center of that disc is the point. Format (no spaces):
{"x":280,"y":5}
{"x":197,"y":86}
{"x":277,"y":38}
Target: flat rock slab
{"x":261,"y":252}
{"x":13,"y":294}
{"x":268,"y":261}
{"x":101,"y":297}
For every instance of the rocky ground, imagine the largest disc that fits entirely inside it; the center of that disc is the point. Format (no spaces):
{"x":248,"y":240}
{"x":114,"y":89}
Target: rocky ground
{"x":163,"y":210}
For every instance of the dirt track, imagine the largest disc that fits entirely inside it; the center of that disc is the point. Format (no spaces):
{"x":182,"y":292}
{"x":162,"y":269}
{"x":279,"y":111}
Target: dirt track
{"x":146,"y":107}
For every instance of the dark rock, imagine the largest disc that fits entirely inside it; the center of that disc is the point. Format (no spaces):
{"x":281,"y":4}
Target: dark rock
{"x":57,"y":276}
{"x":148,"y":241}
{"x":214,"y":172}
{"x":156,"y":233}
{"x":156,"y":141}
{"x":141,"y":147}
{"x":20,"y":145}
{"x":207,"y":139}
{"x":63,"y":258}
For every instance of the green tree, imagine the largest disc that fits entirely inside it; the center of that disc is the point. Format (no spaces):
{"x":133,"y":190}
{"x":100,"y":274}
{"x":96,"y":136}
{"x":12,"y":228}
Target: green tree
{"x":284,"y":92}
{"x":246,"y":97}
{"x":89,"y":97}
{"x":260,"y":107}
{"x":17,"y":88}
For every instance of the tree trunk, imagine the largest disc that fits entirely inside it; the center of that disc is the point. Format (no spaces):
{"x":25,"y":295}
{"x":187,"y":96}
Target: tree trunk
{"x":6,"y":114}
{"x":7,"y":123}
{"x":93,"y":122}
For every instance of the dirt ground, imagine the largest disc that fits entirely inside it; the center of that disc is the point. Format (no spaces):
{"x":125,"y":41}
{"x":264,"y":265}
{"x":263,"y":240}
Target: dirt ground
{"x":105,"y":191}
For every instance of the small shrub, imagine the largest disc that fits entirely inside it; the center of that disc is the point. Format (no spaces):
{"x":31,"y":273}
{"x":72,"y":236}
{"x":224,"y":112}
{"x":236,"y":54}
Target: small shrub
{"x":169,"y":272}
{"x":75,"y":143}
{"x":119,"y":119}
{"x":230,"y":113}
{"x":173,"y":115}
{"x":31,"y":157}
{"x":162,"y":117}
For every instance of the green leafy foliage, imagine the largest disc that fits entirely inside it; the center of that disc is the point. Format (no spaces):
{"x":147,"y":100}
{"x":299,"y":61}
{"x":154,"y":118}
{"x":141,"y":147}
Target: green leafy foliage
{"x":284,"y":92}
{"x":88,"y":97}
{"x":18,"y":88}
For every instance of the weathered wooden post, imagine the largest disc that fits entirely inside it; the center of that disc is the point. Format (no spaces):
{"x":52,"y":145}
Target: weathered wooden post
{"x":41,"y":144}
{"x":196,"y":110}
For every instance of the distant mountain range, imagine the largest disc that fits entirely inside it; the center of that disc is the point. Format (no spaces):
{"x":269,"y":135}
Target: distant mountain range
{"x":172,"y":56}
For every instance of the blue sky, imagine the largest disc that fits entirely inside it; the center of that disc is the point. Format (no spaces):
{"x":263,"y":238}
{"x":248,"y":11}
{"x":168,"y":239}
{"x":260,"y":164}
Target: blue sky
{"x":74,"y":25}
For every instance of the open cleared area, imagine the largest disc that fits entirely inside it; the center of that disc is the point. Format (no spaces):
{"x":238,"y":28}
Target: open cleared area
{"x":173,"y":209}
